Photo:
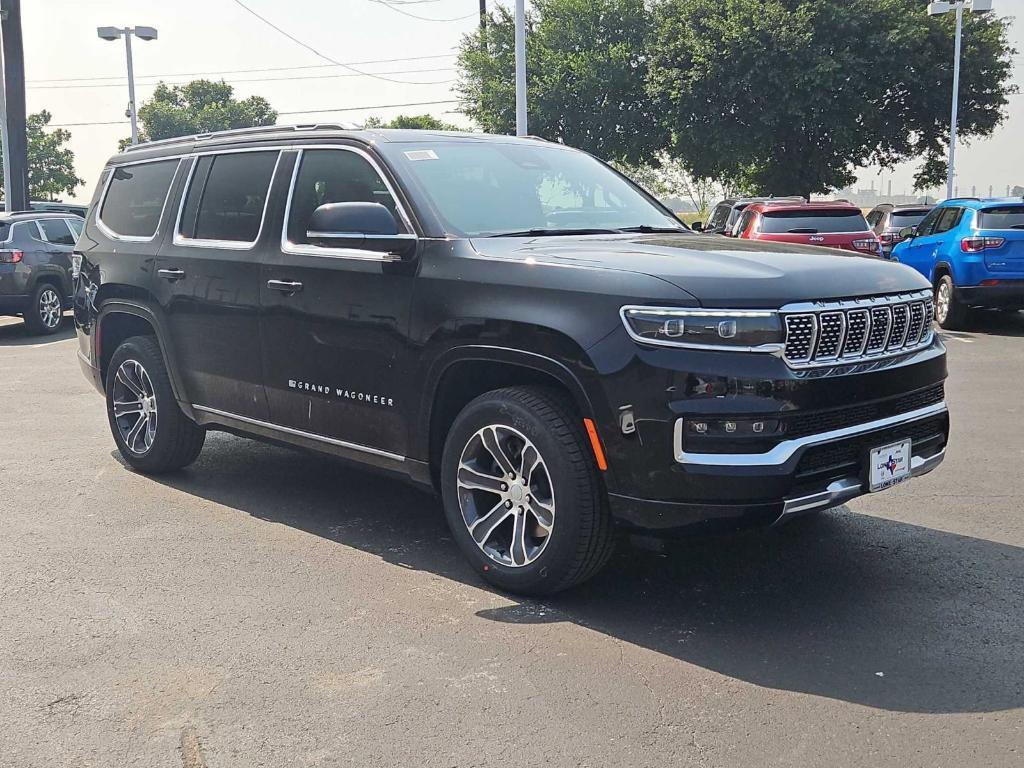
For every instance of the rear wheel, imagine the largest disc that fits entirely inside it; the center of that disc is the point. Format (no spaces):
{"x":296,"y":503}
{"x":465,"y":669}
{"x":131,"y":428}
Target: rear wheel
{"x":522,"y":493}
{"x":151,"y":432}
{"x":949,"y":312}
{"x":45,"y":310}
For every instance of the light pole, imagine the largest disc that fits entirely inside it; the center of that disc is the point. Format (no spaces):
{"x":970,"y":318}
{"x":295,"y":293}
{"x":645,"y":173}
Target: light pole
{"x":143,"y":33}
{"x":938,"y":9}
{"x":520,"y":20}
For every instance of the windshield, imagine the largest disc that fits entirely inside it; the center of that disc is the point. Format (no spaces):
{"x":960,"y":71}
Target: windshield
{"x":813,"y":222}
{"x":493,"y":188}
{"x":901,"y":219}
{"x":1003,"y":217}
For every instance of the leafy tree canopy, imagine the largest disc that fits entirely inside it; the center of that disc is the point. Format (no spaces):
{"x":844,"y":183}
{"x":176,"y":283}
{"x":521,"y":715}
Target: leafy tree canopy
{"x":419,"y":122}
{"x":199,"y":107}
{"x":51,"y":165}
{"x":586,"y":65}
{"x":792,"y":95}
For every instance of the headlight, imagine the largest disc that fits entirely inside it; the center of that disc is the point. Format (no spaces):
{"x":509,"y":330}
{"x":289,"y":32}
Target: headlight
{"x":757,"y":330}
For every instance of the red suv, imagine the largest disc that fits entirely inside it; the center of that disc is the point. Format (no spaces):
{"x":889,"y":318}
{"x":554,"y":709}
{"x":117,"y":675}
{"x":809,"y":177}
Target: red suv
{"x":833,"y":225}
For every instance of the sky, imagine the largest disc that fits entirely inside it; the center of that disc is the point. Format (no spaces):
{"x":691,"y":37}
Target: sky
{"x":81,"y":80}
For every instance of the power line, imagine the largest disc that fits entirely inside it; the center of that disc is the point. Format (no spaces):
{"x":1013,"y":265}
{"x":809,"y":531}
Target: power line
{"x":394,"y":7}
{"x":313,"y":50}
{"x":290,"y":112}
{"x":121,"y":78}
{"x":255,"y":79}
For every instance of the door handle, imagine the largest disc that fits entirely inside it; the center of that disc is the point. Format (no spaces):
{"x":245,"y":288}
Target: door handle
{"x":171,"y":274}
{"x":284,"y":286}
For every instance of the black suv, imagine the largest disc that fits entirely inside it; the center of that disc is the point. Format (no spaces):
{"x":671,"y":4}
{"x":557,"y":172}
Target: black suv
{"x":35,"y":267}
{"x":507,"y":320}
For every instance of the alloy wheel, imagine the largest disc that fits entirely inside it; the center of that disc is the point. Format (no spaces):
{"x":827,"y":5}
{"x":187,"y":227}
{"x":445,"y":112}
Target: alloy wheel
{"x":135,"y":408}
{"x":506,"y":495}
{"x":49,"y":308}
{"x":943,"y":298}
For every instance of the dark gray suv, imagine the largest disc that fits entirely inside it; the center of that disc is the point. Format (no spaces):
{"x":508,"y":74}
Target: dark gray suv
{"x":35,"y":267}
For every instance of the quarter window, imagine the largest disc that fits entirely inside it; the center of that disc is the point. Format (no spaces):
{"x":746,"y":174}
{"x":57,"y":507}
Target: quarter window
{"x":76,"y":226}
{"x":334,"y":176}
{"x":227,"y":196}
{"x":135,"y":198}
{"x":57,"y":231}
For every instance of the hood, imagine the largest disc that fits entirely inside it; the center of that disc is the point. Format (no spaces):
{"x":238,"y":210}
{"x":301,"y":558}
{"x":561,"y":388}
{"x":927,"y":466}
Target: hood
{"x":719,"y":271}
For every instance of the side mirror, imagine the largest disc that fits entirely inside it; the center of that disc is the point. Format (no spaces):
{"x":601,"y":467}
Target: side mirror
{"x":908,"y":233}
{"x":697,"y":226}
{"x":363,"y":226}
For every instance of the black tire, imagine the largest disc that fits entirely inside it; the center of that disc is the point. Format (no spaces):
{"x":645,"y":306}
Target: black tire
{"x":38,"y":313}
{"x":950,"y":314}
{"x":582,"y":536}
{"x":175,"y":439}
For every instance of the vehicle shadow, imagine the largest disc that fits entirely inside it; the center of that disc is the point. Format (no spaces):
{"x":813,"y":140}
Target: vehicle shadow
{"x":16,"y":335}
{"x":841,"y":605}
{"x":990,"y":322}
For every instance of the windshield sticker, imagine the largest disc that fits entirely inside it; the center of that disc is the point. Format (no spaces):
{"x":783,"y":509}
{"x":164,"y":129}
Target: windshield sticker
{"x":421,"y":154}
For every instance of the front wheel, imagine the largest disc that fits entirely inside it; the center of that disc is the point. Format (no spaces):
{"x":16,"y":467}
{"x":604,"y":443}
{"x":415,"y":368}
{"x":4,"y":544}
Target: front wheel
{"x":950,"y":314}
{"x":522,"y":493}
{"x":151,"y":432}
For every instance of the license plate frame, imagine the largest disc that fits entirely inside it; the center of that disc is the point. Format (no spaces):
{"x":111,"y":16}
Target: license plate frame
{"x":889,"y":464}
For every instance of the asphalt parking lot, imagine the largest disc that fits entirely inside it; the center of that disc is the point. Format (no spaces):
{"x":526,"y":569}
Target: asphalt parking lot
{"x":272,"y":608}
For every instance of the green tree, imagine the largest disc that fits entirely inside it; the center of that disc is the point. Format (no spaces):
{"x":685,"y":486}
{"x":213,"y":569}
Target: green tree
{"x":51,"y":165}
{"x":586,"y":66}
{"x":791,"y":96}
{"x":199,"y":107}
{"x":418,"y":122}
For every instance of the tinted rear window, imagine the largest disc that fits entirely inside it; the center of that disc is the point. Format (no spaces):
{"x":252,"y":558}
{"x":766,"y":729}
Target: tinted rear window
{"x":812,"y":222}
{"x":135,"y":198}
{"x":228,"y":203}
{"x":902,"y":219}
{"x":1003,"y":217}
{"x":57,"y":231}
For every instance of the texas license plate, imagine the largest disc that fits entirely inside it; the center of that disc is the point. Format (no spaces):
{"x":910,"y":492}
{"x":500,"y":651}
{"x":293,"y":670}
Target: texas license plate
{"x":889,"y":465}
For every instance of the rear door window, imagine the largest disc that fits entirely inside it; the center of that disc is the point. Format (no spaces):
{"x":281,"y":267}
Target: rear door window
{"x":57,"y":231}
{"x":927,"y":225}
{"x":813,"y":222}
{"x":948,"y":220}
{"x":227,"y":196}
{"x":135,"y":198}
{"x":1003,"y":217}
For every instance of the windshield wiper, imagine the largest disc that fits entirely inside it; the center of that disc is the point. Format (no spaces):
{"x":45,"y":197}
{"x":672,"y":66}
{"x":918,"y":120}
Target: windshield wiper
{"x":540,"y":232}
{"x":647,"y":229}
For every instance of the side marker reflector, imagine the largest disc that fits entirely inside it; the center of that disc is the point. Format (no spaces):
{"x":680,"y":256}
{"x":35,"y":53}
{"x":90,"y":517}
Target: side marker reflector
{"x":595,"y":443}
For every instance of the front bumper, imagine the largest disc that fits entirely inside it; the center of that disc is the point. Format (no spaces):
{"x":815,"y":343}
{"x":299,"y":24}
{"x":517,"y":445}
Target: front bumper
{"x":821,"y":471}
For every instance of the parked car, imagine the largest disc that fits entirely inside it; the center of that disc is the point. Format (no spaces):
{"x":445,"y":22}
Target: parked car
{"x":972,"y":252}
{"x":35,"y":267}
{"x":508,"y":321}
{"x":888,"y":220}
{"x":726,"y":214}
{"x":830,"y":224}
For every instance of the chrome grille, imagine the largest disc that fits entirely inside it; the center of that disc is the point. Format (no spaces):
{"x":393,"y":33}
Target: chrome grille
{"x":833,"y":333}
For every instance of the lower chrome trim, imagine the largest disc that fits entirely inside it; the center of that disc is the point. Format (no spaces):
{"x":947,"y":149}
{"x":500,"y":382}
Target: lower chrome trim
{"x":848,"y":488}
{"x":782,"y":452}
{"x":300,"y":433}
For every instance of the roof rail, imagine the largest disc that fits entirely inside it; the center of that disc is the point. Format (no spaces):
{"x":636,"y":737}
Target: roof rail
{"x":948,"y":199}
{"x":254,"y":131}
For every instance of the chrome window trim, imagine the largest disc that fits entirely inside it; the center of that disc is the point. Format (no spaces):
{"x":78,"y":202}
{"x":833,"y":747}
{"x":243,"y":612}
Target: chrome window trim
{"x":360,"y":254}
{"x":356,"y":235}
{"x":785,"y":450}
{"x":233,"y":245}
{"x":774,"y":349}
{"x":301,"y":433}
{"x":110,"y":233}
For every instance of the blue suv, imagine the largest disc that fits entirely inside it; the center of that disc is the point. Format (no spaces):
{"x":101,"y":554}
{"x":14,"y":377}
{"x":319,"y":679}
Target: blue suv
{"x":972,"y":251}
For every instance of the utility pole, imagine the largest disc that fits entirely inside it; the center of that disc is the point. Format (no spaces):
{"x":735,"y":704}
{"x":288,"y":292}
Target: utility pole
{"x":521,"y":127}
{"x":483,"y":18}
{"x":950,"y":171}
{"x":3,"y":130}
{"x":16,"y":151}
